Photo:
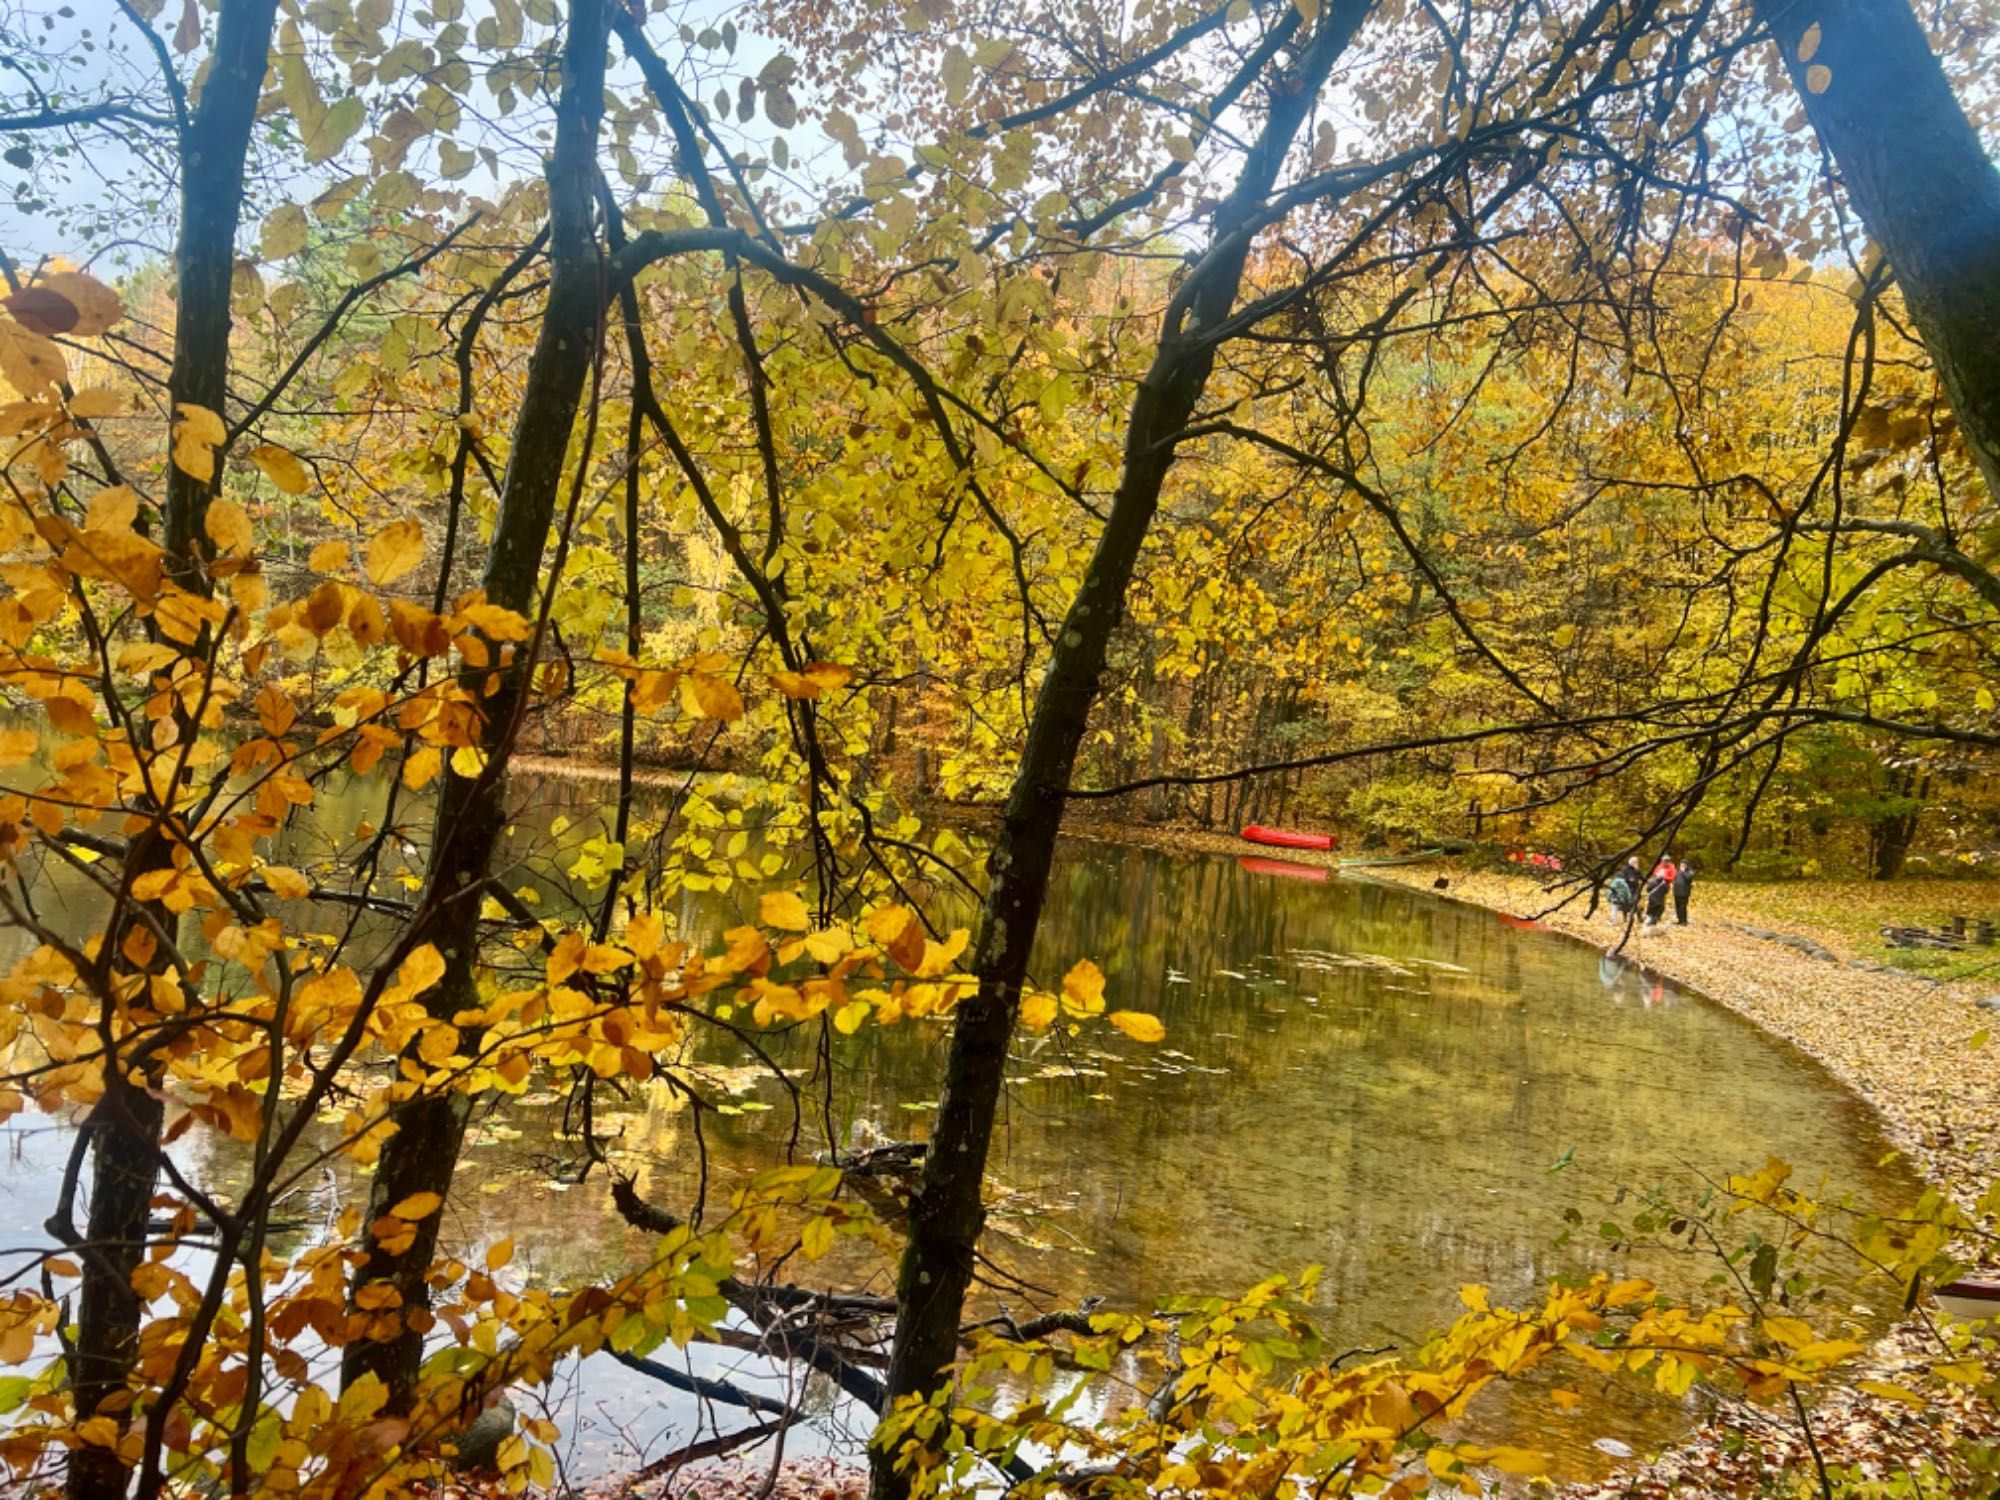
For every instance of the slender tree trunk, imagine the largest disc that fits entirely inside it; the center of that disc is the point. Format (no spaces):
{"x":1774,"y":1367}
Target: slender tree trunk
{"x":1914,"y":168}
{"x":125,"y":1126}
{"x":472,"y":811}
{"x":948,"y":1212}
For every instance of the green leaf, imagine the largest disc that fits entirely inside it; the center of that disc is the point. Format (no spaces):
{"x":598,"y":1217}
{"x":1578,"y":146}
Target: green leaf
{"x":333,"y":129}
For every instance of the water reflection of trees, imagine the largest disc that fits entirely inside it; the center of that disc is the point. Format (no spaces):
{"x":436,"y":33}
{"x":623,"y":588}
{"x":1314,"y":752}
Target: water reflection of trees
{"x":1354,"y":1075}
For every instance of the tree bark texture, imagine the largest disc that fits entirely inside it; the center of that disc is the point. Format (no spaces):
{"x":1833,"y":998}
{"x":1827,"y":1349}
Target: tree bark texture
{"x":1915,"y":171}
{"x":125,"y":1127}
{"x":948,"y":1213}
{"x":472,"y":810}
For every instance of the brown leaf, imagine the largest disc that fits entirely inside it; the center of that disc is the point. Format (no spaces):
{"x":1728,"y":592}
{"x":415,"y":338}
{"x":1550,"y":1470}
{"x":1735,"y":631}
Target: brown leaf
{"x":39,"y":309}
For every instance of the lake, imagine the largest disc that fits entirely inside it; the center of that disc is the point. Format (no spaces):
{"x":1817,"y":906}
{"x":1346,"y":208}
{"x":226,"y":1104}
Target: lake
{"x":1355,"y":1075}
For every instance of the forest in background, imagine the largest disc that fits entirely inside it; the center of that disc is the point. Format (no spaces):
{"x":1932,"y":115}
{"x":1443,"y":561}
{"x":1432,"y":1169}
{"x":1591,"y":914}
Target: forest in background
{"x":1567,"y":424}
{"x":1565,"y":513}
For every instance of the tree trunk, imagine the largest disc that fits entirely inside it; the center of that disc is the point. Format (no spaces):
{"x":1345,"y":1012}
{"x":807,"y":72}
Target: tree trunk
{"x":472,"y":811}
{"x":126,"y":1124}
{"x":947,"y":1212}
{"x":1892,"y":836}
{"x":1914,"y":168}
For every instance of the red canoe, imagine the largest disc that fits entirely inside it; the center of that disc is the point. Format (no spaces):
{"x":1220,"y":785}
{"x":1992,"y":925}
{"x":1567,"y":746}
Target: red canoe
{"x":1257,"y":864}
{"x":1284,"y":838}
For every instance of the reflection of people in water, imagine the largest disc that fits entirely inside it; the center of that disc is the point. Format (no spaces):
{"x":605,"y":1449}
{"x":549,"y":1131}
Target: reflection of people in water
{"x":1610,"y":970}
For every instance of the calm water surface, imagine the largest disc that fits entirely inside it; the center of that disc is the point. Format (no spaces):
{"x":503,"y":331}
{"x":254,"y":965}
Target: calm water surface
{"x":1356,"y":1076}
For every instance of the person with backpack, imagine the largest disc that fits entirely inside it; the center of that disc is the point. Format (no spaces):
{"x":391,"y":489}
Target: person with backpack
{"x":1623,"y":890}
{"x":1683,"y":884}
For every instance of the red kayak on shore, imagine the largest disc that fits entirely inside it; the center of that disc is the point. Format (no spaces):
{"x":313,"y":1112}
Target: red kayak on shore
{"x":1257,"y":864}
{"x":1284,"y":838}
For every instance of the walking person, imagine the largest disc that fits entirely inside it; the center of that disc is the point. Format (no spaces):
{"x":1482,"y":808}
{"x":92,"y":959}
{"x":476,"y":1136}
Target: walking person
{"x":1683,"y":884}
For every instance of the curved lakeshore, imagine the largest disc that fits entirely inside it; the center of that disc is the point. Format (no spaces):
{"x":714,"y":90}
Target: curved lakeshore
{"x":1910,"y":1048}
{"x":1907,"y":1046}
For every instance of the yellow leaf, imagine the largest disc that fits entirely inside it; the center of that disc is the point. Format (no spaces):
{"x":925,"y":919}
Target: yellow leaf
{"x":499,"y":1253}
{"x":939,"y":957}
{"x":363,"y":1399}
{"x":95,"y":401}
{"x":96,"y":306}
{"x":98,"y":1432}
{"x":820,"y":677}
{"x":1522,"y":1461}
{"x":396,"y":550}
{"x":1138,"y":1025}
{"x":783,"y":910}
{"x":1565,"y":633}
{"x":286,"y":883}
{"x":418,"y":1206}
{"x":328,"y":557}
{"x":30,"y":363}
{"x":1083,"y":989}
{"x":422,"y":767}
{"x":706,"y":697}
{"x":228,"y":526}
{"x":282,"y":467}
{"x":847,"y":1020}
{"x":283,"y":234}
{"x":1038,"y":1009}
{"x":1892,"y":1392}
{"x":468,"y":761}
{"x":900,"y":934}
{"x":816,"y":1236}
{"x":497,"y":622}
{"x":795,"y":684}
{"x":417,"y":973}
{"x":112,"y":509}
{"x":197,"y":432}
{"x":1793,"y":1333}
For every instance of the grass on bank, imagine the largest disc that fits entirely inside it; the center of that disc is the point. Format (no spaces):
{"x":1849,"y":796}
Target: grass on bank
{"x":1847,"y":916}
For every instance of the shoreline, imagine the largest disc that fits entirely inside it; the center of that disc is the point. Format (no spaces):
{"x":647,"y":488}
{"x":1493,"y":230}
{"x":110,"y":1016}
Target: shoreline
{"x":1899,"y":1042}
{"x":1902,"y":1044}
